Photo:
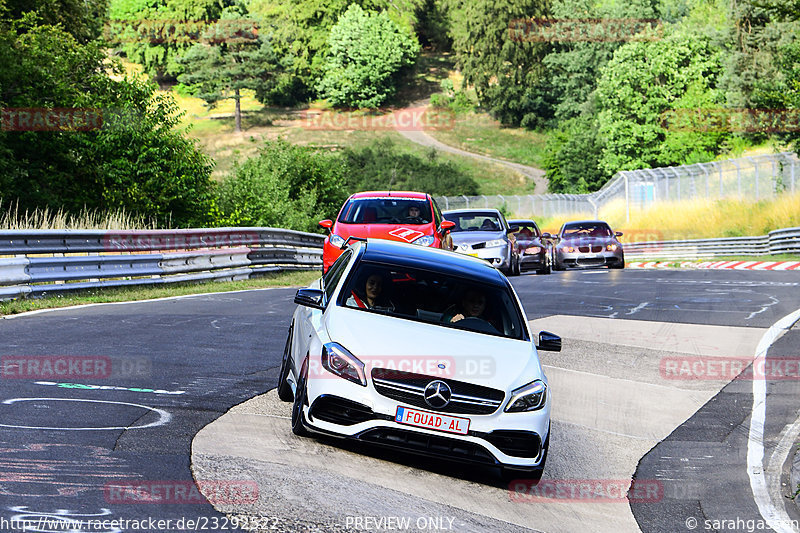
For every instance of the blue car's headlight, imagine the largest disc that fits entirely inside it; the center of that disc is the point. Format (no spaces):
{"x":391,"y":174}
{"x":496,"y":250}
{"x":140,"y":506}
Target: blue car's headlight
{"x":531,"y":397}
{"x":425,"y":240}
{"x":336,"y":240}
{"x":337,"y":360}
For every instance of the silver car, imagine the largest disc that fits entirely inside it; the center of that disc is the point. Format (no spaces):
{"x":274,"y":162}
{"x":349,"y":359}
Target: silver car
{"x":587,"y":243}
{"x":486,"y":234}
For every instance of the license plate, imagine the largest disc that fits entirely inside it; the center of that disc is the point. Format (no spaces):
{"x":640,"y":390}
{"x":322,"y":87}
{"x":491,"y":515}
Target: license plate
{"x":423,"y":419}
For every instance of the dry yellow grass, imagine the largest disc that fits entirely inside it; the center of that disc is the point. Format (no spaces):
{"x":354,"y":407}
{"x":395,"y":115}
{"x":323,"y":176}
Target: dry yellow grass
{"x":14,"y":219}
{"x":696,"y":219}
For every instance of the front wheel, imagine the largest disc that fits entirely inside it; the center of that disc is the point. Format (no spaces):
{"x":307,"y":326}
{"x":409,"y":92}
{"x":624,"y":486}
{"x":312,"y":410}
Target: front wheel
{"x":298,"y":427}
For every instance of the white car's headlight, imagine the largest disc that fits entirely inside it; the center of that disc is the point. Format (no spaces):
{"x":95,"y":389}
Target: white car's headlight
{"x":531,"y":397}
{"x":337,"y":360}
{"x":425,"y":240}
{"x":336,"y":240}
{"x":495,"y":242}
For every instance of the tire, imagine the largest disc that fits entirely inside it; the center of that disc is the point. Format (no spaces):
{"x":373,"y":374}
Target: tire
{"x":513,"y":269}
{"x":544,"y":271}
{"x":519,"y":267}
{"x":621,"y":264}
{"x":556,"y":266}
{"x":284,"y":390}
{"x":298,"y":427}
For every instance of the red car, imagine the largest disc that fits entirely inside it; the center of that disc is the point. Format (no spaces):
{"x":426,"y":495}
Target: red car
{"x":396,"y":216}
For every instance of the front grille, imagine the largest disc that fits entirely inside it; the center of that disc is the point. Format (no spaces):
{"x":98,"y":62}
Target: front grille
{"x":478,"y":245}
{"x":340,"y":411}
{"x":409,"y":388}
{"x":595,"y":248}
{"x":413,"y":441}
{"x":591,"y":261}
{"x":516,"y":443}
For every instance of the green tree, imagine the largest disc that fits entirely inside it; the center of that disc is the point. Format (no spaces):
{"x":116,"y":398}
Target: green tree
{"x":285,"y":186}
{"x":366,"y":53}
{"x":135,"y":159}
{"x":83,"y":19}
{"x":641,"y":83}
{"x":157,"y":33}
{"x":221,"y":68}
{"x":507,"y":74}
{"x":572,"y":157}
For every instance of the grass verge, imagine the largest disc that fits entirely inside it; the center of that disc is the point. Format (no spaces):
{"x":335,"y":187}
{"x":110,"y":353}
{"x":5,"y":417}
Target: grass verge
{"x":126,"y":294}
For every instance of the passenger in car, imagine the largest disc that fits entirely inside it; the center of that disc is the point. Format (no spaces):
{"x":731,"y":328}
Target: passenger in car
{"x":372,"y":296}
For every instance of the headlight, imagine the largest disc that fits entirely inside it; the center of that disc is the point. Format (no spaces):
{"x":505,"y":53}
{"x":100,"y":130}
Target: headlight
{"x":425,"y":240}
{"x":336,"y":240}
{"x":611,"y":247}
{"x":568,"y":249}
{"x":531,"y":397}
{"x":495,"y":242}
{"x":533,"y":250}
{"x":337,"y":360}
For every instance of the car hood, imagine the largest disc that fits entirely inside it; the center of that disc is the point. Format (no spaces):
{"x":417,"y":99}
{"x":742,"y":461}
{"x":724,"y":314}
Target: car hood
{"x":388,"y":342}
{"x":390,"y":232}
{"x":472,"y":237}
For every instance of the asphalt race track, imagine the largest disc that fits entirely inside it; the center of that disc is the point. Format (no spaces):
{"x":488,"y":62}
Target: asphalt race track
{"x":131,"y":402}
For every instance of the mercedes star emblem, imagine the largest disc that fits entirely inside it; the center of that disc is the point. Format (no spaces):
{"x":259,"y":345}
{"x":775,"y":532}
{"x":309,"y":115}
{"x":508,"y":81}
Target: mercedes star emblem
{"x":437,"y":394}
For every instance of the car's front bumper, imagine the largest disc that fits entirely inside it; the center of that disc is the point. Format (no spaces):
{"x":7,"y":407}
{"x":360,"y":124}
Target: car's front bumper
{"x":340,"y":408}
{"x":533,"y":261}
{"x":497,"y":256}
{"x":589,"y":260}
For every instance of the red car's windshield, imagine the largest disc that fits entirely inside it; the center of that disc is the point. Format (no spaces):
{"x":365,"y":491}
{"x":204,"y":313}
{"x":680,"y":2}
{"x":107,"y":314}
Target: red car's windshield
{"x":389,"y":210}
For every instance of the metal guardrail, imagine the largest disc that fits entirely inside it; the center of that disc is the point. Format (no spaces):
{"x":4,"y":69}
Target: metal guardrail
{"x":41,"y":262}
{"x":782,"y":241}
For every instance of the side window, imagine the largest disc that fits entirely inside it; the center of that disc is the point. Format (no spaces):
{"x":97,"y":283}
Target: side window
{"x":331,"y":279}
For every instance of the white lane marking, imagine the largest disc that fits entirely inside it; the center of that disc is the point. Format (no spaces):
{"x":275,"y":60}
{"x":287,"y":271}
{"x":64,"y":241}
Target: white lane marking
{"x":84,"y":306}
{"x":163,"y":416}
{"x":774,"y":515}
{"x":638,"y":308}
{"x":754,"y":313}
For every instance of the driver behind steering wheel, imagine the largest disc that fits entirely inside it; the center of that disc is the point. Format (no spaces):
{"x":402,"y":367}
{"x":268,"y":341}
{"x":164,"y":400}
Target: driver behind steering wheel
{"x":414,"y":214}
{"x":471,"y":305}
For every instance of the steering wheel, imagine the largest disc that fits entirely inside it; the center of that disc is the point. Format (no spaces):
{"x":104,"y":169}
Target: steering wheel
{"x":414,"y":220}
{"x":477,"y":324}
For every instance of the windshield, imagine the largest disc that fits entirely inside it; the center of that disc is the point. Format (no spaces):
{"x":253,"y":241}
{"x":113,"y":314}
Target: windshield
{"x":433,"y":298}
{"x":586,"y":230}
{"x":475,"y":221}
{"x":389,"y":210}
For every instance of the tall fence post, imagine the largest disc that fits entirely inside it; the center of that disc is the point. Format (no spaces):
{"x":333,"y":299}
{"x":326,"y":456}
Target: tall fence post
{"x":466,"y":200}
{"x":627,"y":203}
{"x":738,"y":177}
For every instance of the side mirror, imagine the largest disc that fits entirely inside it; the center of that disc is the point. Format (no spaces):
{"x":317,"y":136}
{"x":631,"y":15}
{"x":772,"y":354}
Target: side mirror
{"x":547,"y":236}
{"x":513,"y":228}
{"x":327,"y":224}
{"x":618,"y":233}
{"x":447,"y":225}
{"x":549,"y":342}
{"x":309,"y":298}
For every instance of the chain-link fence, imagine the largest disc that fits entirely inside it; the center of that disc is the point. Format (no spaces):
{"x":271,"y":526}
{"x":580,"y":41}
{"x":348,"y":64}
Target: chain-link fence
{"x":756,"y":178}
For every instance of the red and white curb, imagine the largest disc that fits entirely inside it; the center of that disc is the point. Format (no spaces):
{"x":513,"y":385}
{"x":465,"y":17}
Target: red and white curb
{"x":720,"y":265}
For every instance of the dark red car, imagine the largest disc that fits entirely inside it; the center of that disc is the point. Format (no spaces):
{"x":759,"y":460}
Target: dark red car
{"x":403,"y":216}
{"x":533,"y":246}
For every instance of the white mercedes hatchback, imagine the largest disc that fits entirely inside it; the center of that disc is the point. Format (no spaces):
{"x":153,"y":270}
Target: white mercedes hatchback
{"x":422,"y":350}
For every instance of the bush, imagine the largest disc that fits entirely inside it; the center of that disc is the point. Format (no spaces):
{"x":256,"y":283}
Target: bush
{"x":379,"y":166}
{"x":285,"y":186}
{"x":367,"y":53}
